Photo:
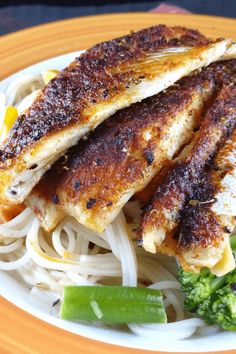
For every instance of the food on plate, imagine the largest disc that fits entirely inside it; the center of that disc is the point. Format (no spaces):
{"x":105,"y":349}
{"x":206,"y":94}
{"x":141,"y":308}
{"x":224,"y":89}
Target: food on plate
{"x":48,"y":75}
{"x":9,"y":118}
{"x":211,"y":297}
{"x":114,"y":304}
{"x":165,"y":213}
{"x":169,"y":134}
{"x":108,"y":77}
{"x":94,"y":180}
{"x":209,"y":217}
{"x":206,"y":213}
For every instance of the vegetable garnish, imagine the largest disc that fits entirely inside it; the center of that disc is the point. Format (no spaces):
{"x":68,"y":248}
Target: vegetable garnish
{"x":11,"y":114}
{"x":113,"y":304}
{"x":48,"y":75}
{"x":210,"y":297}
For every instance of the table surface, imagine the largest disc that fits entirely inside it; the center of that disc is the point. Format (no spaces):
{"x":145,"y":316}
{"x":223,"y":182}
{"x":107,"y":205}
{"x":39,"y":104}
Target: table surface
{"x":15,"y":15}
{"x":19,"y":331}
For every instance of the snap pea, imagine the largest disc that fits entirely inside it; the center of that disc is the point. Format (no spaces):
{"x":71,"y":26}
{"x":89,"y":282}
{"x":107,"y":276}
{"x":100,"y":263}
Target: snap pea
{"x":114,"y":304}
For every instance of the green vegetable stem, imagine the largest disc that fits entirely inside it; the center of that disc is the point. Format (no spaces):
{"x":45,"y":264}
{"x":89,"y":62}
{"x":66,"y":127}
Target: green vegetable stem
{"x":210,"y":297}
{"x":114,"y":304}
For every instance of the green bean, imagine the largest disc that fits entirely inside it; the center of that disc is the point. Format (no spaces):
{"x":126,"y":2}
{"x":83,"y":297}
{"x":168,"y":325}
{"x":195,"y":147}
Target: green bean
{"x":113,"y":304}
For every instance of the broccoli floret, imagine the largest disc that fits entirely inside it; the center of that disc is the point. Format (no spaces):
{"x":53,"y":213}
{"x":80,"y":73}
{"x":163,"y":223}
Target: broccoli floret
{"x":198,"y":287}
{"x":221,"y":309}
{"x":210,"y":297}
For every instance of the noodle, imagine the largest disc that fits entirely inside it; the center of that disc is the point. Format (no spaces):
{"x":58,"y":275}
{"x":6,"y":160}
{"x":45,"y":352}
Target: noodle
{"x":21,"y":87}
{"x":16,"y":263}
{"x":175,"y":331}
{"x":121,"y":245}
{"x":83,"y":264}
{"x":70,"y":261}
{"x":11,"y":247}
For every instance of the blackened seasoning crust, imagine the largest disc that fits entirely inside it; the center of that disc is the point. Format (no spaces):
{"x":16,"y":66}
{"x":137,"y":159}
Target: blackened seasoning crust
{"x":149,"y":156}
{"x":55,"y":199}
{"x":100,"y":73}
{"x":185,"y":173}
{"x":77,"y":185}
{"x":202,"y":225}
{"x":90,"y":203}
{"x":200,"y":198}
{"x":188,"y":213}
{"x":117,"y":141}
{"x":121,"y":154}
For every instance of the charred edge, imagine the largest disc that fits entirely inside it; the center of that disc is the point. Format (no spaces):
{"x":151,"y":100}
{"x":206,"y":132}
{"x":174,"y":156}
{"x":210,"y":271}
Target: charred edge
{"x":149,"y":156}
{"x":90,"y":203}
{"x":77,"y":185}
{"x":55,"y":199}
{"x":199,"y":227}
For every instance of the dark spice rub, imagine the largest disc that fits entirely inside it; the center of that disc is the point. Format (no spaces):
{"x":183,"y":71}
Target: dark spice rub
{"x":106,"y":78}
{"x":122,"y":154}
{"x":100,"y":73}
{"x":208,"y":221}
{"x":178,"y":218}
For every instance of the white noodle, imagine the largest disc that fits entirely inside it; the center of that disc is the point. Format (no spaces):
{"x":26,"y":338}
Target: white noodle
{"x":79,"y":279}
{"x":122,"y":248}
{"x":16,"y":263}
{"x":165,"y":284}
{"x":12,"y":246}
{"x":27,"y":101}
{"x":42,"y":299}
{"x":21,"y":87}
{"x":69,"y":261}
{"x":45,"y":246}
{"x":170,"y":331}
{"x":83,"y":264}
{"x":56,"y":239}
{"x":88,"y":234}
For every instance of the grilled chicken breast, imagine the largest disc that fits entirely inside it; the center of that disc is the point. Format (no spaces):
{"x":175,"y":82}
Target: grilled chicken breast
{"x":94,"y":180}
{"x":210,"y":217}
{"x":104,"y":79}
{"x":174,"y":200}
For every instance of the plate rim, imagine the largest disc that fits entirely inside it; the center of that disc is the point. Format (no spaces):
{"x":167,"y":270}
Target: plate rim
{"x":87,"y":17}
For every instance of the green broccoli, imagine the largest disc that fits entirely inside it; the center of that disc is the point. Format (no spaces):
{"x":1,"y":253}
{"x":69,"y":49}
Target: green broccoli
{"x":210,"y":297}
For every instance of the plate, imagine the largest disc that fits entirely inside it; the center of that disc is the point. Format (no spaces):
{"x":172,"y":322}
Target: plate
{"x":20,"y":332}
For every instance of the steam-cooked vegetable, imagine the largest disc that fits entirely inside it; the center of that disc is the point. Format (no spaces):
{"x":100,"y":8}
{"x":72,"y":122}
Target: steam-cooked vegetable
{"x":212,"y":298}
{"x":115,"y":304}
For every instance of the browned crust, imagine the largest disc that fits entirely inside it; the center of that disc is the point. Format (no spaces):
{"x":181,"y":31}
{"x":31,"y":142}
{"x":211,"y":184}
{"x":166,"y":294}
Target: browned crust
{"x":145,"y":195}
{"x":179,"y":186}
{"x":201,"y":227}
{"x":96,"y":171}
{"x":96,"y":76}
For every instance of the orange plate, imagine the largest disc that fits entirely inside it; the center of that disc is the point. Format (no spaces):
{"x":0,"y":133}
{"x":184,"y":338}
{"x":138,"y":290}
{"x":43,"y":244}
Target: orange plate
{"x":19,"y":331}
